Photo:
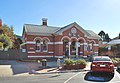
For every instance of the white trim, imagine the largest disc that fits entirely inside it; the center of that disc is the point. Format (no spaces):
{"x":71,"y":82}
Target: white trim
{"x":31,"y":52}
{"x":37,"y":50}
{"x":81,"y":44}
{"x":30,"y":42}
{"x":66,"y":38}
{"x":46,"y":38}
{"x":85,"y":43}
{"x":45,"y":50}
{"x":50,"y":42}
{"x":96,"y":52}
{"x":81,"y":52}
{"x":22,"y":44}
{"x":82,"y":38}
{"x":31,"y":48}
{"x":38,"y":56}
{"x":38,"y":38}
{"x":50,"y":52}
{"x":59,"y":56}
{"x":95,"y":44}
{"x":74,"y":38}
{"x":58,"y":42}
{"x":93,"y":41}
{"x":85,"y":56}
{"x":44,"y":56}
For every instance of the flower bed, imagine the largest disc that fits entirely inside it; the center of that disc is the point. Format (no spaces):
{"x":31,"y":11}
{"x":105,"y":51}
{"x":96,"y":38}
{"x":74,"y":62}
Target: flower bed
{"x":71,"y":64}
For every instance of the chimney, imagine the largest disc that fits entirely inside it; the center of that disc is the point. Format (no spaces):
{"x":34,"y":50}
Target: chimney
{"x":0,"y":23}
{"x":44,"y":21}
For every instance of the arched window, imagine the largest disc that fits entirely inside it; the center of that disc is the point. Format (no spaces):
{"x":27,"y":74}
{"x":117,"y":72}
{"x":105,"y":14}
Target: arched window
{"x":38,"y":46}
{"x":45,"y":45}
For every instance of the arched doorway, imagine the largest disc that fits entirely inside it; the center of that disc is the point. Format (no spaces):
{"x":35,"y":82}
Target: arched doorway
{"x":65,"y":46}
{"x":73,"y":47}
{"x":91,"y":46}
{"x":81,"y":47}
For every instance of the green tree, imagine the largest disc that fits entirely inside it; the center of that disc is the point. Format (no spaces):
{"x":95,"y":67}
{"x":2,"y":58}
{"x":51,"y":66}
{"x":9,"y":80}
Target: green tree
{"x":8,"y":34}
{"x":102,"y":35}
{"x":107,"y":38}
{"x":5,"y":41}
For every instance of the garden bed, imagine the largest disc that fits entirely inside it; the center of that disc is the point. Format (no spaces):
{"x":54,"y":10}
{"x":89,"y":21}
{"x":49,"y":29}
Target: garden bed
{"x":74,"y":64}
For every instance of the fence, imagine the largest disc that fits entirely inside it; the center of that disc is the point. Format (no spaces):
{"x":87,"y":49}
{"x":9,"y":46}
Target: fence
{"x":12,"y":54}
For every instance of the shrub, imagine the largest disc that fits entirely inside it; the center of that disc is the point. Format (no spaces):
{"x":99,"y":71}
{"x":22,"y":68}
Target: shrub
{"x":68,"y":61}
{"x":81,"y":61}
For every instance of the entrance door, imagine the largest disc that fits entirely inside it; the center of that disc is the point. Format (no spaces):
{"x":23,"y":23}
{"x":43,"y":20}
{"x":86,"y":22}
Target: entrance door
{"x":73,"y":48}
{"x":65,"y":46}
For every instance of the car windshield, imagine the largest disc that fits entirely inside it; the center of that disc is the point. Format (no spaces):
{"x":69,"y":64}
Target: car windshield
{"x":102,"y":59}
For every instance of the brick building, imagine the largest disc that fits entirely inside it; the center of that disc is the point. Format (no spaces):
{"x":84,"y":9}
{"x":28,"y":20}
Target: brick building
{"x":48,"y":41}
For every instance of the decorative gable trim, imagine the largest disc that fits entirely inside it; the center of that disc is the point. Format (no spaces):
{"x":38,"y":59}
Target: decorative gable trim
{"x":61,"y":30}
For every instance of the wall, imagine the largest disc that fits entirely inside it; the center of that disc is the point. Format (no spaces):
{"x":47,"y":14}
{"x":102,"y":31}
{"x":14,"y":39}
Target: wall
{"x":12,"y":54}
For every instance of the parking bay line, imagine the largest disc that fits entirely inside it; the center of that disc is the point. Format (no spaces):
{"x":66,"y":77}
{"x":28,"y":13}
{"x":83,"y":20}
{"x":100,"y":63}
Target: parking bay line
{"x":72,"y":77}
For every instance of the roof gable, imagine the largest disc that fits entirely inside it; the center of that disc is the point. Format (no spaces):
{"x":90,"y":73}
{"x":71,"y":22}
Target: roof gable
{"x":71,"y":25}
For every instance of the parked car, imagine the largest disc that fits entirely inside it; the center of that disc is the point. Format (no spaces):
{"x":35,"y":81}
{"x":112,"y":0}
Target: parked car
{"x":102,"y":64}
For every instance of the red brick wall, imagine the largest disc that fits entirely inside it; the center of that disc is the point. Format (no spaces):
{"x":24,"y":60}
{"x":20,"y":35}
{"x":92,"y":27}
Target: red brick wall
{"x":57,"y":49}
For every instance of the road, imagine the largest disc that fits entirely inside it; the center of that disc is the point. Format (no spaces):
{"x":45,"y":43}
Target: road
{"x":71,"y":77}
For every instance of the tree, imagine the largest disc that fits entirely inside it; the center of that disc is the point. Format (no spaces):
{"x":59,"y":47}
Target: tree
{"x":17,"y":43}
{"x":102,"y":34}
{"x":7,"y":36}
{"x":5,"y":41}
{"x":119,"y":36}
{"x":107,"y":38}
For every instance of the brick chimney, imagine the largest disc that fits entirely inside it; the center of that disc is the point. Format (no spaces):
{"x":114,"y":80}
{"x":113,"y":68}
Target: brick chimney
{"x":0,"y":23}
{"x":44,"y":21}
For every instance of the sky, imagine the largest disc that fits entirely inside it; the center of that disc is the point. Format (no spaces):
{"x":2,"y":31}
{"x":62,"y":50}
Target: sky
{"x":95,"y":15}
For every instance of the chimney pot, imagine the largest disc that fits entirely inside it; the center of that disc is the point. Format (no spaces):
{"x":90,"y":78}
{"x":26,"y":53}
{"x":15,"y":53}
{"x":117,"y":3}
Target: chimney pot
{"x":44,"y":21}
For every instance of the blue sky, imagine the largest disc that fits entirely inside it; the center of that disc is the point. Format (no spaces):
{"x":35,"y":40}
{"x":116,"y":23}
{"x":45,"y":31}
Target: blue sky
{"x":93,"y":15}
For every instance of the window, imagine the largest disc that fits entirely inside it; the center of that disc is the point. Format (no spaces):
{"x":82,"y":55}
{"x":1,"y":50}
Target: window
{"x":45,"y":45}
{"x":38,"y":46}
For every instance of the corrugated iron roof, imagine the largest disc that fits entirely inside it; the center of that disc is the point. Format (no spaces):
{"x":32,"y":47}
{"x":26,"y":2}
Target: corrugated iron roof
{"x":92,"y":34}
{"x":43,"y":29}
{"x":30,"y":28}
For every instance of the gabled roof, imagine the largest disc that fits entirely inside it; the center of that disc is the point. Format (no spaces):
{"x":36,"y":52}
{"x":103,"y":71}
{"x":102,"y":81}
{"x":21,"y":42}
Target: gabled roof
{"x":48,"y":30}
{"x":40,"y":29}
{"x":69,"y":26}
{"x":92,"y":35}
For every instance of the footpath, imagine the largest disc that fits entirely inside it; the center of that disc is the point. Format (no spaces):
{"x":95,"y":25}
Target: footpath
{"x":50,"y":69}
{"x":20,"y":68}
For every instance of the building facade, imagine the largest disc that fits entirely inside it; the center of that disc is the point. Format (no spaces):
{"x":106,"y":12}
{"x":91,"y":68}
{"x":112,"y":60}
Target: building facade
{"x":48,"y":41}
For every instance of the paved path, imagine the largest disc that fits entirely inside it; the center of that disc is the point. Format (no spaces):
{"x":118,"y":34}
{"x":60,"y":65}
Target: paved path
{"x":12,"y":67}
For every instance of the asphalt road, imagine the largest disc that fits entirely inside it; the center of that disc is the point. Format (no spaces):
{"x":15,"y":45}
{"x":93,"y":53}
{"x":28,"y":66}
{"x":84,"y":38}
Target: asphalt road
{"x":73,"y":77}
